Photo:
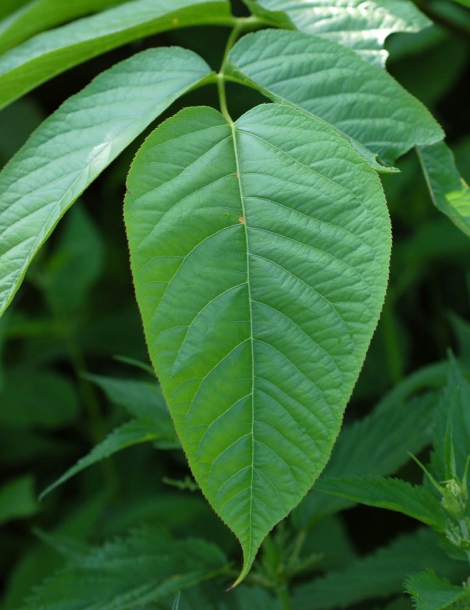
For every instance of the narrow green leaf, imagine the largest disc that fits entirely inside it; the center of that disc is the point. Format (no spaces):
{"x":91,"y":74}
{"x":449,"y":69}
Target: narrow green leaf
{"x":362,"y":102}
{"x":76,"y":143}
{"x":40,"y":15}
{"x":131,"y":433}
{"x":141,"y":399}
{"x":259,"y":253}
{"x":362,"y":26}
{"x":449,"y":191}
{"x":17,"y":499}
{"x":51,"y":53}
{"x":130,"y":573}
{"x":432,"y":593}
{"x":393,"y":494}
{"x":377,"y":575}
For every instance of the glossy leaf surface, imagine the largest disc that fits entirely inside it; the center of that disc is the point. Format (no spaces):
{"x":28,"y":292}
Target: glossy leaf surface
{"x":259,"y":252}
{"x":39,"y":15}
{"x":449,"y":191}
{"x":51,"y":53}
{"x":73,"y":146}
{"x":362,"y":26}
{"x":330,"y":82}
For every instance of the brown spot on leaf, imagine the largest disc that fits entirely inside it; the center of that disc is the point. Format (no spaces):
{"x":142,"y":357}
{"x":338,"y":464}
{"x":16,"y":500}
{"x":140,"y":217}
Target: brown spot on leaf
{"x":241,"y":219}
{"x":237,"y":175}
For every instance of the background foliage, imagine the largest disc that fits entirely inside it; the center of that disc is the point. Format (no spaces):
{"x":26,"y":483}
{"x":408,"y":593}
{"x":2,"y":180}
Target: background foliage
{"x":73,"y":375}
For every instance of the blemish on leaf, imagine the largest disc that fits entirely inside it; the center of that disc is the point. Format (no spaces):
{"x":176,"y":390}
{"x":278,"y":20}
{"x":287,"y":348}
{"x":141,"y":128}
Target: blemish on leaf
{"x":237,"y":175}
{"x":174,"y":21}
{"x":241,"y":219}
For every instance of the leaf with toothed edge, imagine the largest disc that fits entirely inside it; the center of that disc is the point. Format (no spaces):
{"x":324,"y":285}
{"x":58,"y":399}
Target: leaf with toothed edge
{"x":259,"y":251}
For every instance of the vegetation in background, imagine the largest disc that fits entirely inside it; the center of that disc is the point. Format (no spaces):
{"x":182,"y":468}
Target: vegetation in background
{"x":259,"y":240}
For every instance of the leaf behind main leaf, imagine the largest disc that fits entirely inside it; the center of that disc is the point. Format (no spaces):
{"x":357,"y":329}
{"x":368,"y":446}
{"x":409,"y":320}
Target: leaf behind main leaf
{"x":449,"y":191}
{"x":76,"y":143}
{"x":362,"y":26}
{"x":259,"y":253}
{"x":364,"y":103}
{"x":40,"y":15}
{"x":53,"y":52}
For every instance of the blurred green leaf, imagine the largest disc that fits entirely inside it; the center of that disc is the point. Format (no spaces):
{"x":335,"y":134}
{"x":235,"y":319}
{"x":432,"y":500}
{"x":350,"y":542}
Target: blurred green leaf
{"x":449,"y":192}
{"x":17,"y":499}
{"x":50,"y":53}
{"x":142,"y":399}
{"x":132,"y":572}
{"x":432,"y":593}
{"x":393,"y":494}
{"x":431,"y":73}
{"x":362,"y":26}
{"x":377,"y":575}
{"x":8,"y":6}
{"x":129,"y":434}
{"x":58,"y":163}
{"x":40,"y":15}
{"x":79,"y":255}
{"x":41,"y":560}
{"x":46,"y":400}
{"x":17,"y":122}
{"x":454,"y":403}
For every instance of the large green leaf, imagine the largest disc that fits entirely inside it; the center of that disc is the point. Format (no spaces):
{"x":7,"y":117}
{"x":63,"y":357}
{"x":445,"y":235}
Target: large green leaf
{"x":259,"y":253}
{"x":76,"y":143}
{"x":50,"y":53}
{"x":449,"y":191}
{"x":362,"y":26}
{"x":39,"y":15}
{"x":331,"y":82}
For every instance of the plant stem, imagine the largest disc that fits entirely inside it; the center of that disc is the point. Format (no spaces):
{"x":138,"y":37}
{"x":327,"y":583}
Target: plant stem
{"x":243,"y":24}
{"x":283,"y":596}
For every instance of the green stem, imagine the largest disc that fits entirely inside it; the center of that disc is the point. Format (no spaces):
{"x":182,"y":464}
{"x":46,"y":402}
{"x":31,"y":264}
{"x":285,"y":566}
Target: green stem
{"x":283,"y":596}
{"x":243,"y":24}
{"x":296,"y":550}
